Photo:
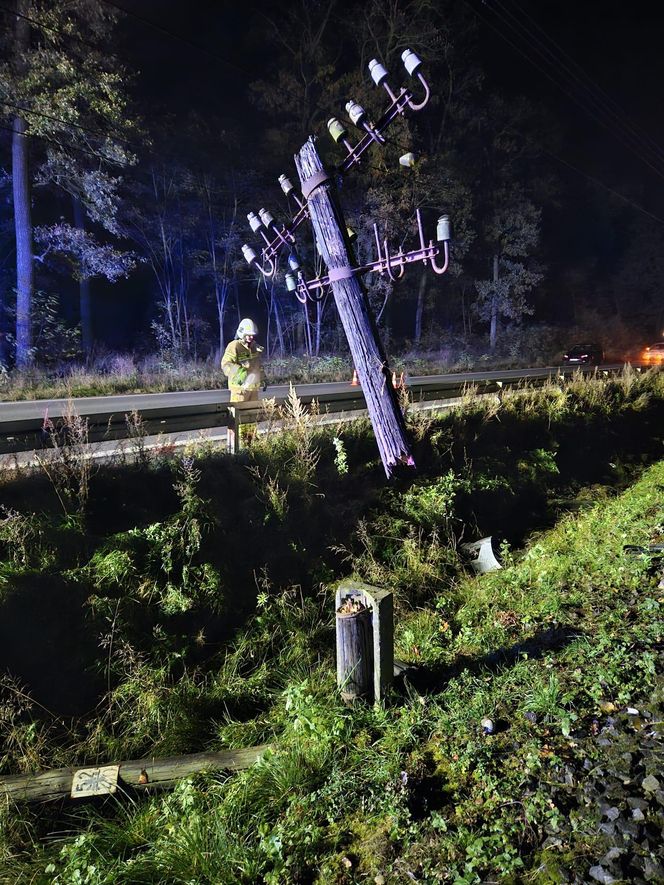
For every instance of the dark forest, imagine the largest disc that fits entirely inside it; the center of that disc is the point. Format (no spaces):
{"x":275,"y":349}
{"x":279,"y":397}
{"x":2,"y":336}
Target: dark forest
{"x":135,"y":141}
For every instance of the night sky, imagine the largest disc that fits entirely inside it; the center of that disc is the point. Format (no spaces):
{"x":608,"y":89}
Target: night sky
{"x":618,"y":45}
{"x":597,"y":68}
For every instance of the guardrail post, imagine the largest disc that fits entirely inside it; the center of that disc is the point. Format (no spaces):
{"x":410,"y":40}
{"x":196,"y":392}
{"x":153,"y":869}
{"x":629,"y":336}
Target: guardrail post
{"x":233,"y":430}
{"x":365,"y":640}
{"x":241,"y":415}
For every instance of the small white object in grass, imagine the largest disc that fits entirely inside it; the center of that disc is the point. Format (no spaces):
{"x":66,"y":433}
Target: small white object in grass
{"x":487,"y":726}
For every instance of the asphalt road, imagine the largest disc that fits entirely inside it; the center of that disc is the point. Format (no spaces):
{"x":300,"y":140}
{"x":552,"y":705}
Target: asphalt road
{"x":145,"y":402}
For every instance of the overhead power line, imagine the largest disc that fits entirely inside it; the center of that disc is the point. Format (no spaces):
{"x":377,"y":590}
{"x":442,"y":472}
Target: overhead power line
{"x":96,"y":132}
{"x":141,"y":147}
{"x":569,"y":70}
{"x":607,"y":99}
{"x":606,"y":187}
{"x":41,"y":24}
{"x":218,"y":192}
{"x":63,"y":147}
{"x":139,"y":175}
{"x":586,"y":103}
{"x":38,"y":23}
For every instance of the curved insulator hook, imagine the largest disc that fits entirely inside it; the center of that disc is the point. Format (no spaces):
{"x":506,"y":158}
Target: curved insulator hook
{"x":316,"y":298}
{"x":271,"y":267}
{"x":379,"y":252}
{"x":301,"y":291}
{"x":414,"y":106}
{"x":446,"y":251}
{"x":252,"y":260}
{"x":388,"y":263}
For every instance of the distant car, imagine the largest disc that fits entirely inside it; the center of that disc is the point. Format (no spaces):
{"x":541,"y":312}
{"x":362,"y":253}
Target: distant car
{"x":589,"y":354}
{"x":654,"y":353}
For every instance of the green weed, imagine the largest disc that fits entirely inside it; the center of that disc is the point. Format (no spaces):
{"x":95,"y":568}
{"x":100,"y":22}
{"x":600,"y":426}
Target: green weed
{"x":23,"y":536}
{"x":570,"y":628}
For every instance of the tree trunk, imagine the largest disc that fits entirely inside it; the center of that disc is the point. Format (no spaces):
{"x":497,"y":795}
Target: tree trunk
{"x":320,"y":312}
{"x":221,"y":295}
{"x":4,"y":349}
{"x":220,"y":291}
{"x":22,"y":207}
{"x":279,"y":333}
{"x":493,"y":334}
{"x":236,"y":294}
{"x":419,"y":310}
{"x":307,"y":329}
{"x":352,"y":303}
{"x":84,"y":289}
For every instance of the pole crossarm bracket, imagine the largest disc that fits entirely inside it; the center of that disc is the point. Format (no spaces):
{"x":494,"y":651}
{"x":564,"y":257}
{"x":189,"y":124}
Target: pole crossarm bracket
{"x":394,"y":265}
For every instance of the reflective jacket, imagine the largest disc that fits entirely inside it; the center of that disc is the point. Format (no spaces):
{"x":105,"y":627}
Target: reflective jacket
{"x":241,"y":364}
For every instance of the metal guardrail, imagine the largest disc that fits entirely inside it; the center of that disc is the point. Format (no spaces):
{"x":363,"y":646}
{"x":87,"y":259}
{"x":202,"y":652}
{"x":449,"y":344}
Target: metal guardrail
{"x":23,"y":424}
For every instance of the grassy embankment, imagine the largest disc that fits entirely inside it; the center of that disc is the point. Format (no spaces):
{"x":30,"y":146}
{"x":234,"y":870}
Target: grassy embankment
{"x":551,"y":648}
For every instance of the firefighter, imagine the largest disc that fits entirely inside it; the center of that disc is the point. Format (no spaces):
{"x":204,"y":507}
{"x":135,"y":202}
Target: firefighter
{"x":241,"y":363}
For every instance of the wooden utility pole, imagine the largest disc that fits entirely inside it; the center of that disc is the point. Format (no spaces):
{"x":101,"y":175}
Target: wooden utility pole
{"x":321,"y":205}
{"x":143,"y":775}
{"x":351,"y":299}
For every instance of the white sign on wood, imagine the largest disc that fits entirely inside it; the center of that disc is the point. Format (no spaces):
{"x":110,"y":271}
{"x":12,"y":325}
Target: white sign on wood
{"x":94,"y":781}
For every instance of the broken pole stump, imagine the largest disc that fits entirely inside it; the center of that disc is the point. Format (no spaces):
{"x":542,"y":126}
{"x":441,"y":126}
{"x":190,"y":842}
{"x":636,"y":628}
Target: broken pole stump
{"x":352,"y":303}
{"x":355,"y":666}
{"x":379,"y":603}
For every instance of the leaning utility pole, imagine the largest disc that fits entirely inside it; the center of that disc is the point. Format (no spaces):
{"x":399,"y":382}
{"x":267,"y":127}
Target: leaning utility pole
{"x":321,"y":205}
{"x":354,"y":311}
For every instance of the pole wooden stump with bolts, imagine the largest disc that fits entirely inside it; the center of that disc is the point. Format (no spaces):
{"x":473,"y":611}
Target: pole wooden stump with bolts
{"x":365,"y":641}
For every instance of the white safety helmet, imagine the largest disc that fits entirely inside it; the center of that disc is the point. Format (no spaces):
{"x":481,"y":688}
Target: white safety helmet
{"x":246,"y":327}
